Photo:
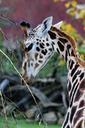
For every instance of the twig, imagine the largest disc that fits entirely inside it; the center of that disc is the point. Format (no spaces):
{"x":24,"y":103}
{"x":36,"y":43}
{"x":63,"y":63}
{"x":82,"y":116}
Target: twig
{"x":25,"y":83}
{"x":4,"y":110}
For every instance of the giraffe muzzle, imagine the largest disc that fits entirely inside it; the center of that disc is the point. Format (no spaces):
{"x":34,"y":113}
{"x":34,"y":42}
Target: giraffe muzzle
{"x":27,"y":80}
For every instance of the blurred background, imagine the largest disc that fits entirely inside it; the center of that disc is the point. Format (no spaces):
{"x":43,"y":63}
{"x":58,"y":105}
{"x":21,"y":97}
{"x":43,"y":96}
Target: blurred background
{"x":16,"y":103}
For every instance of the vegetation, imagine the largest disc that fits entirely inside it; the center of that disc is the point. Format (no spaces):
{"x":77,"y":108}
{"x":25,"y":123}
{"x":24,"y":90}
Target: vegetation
{"x":21,"y":123}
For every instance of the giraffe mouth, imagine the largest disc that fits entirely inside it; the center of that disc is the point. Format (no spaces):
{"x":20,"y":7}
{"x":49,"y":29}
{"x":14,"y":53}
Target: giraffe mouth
{"x":27,"y":80}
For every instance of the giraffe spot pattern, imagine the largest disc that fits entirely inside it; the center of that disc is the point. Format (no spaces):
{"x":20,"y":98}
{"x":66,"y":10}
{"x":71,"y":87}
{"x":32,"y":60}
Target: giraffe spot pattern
{"x":68,"y":49}
{"x":40,"y":56}
{"x":52,"y":35}
{"x":47,"y":44}
{"x":82,"y":85}
{"x":40,"y":61}
{"x":57,"y":50}
{"x":44,"y":51}
{"x":73,"y":110}
{"x":82,"y":103}
{"x":74,"y":69}
{"x":31,"y":64}
{"x":53,"y":42}
{"x":66,"y":55}
{"x":78,"y":115}
{"x":71,"y":63}
{"x":79,"y":124}
{"x":75,"y":75}
{"x":68,"y":46}
{"x":36,"y":65}
{"x":36,"y":55}
{"x":73,"y":87}
{"x":68,"y":126}
{"x":79,"y":91}
{"x":61,"y":47}
{"x":37,"y":39}
{"x":41,"y":45}
{"x":72,"y":52}
{"x":37,"y":43}
{"x":30,"y":47}
{"x":46,"y":39}
{"x":63,"y":40}
{"x":82,"y":76}
{"x":66,"y":120}
{"x":74,"y":93}
{"x":77,"y":97}
{"x":69,"y":86}
{"x":59,"y":33}
{"x":38,"y":49}
{"x":50,"y":49}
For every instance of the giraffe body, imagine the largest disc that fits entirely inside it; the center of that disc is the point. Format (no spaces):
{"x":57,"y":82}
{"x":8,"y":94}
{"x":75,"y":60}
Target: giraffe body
{"x":40,"y":44}
{"x":75,"y":117}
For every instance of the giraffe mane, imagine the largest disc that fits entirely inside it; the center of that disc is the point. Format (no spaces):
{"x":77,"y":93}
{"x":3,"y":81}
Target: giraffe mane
{"x":81,"y":62}
{"x":73,"y":43}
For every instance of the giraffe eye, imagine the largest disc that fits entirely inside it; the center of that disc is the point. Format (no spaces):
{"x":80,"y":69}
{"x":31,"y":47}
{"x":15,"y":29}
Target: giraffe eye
{"x":30,"y":47}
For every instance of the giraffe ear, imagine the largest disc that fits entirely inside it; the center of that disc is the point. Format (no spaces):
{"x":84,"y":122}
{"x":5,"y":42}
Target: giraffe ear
{"x":58,"y":25}
{"x":25,"y":27}
{"x":45,"y":26}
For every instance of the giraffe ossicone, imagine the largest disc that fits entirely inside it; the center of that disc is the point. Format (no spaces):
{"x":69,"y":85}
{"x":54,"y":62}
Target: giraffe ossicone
{"x":40,"y":44}
{"x":58,"y":25}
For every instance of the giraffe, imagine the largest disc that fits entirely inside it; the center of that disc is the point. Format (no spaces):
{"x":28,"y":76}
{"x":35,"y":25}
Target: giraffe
{"x":40,"y":44}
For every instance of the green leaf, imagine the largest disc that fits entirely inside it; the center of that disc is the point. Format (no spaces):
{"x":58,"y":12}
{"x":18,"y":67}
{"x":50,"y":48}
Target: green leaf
{"x":81,"y":50}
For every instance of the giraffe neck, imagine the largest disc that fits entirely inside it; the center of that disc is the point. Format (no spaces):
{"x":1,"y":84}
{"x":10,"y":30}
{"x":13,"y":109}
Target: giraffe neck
{"x":76,"y":74}
{"x":64,"y":44}
{"x":66,"y":47}
{"x":75,"y":117}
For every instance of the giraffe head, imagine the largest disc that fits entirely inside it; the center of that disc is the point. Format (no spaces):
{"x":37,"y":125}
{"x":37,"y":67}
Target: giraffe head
{"x":38,"y":47}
